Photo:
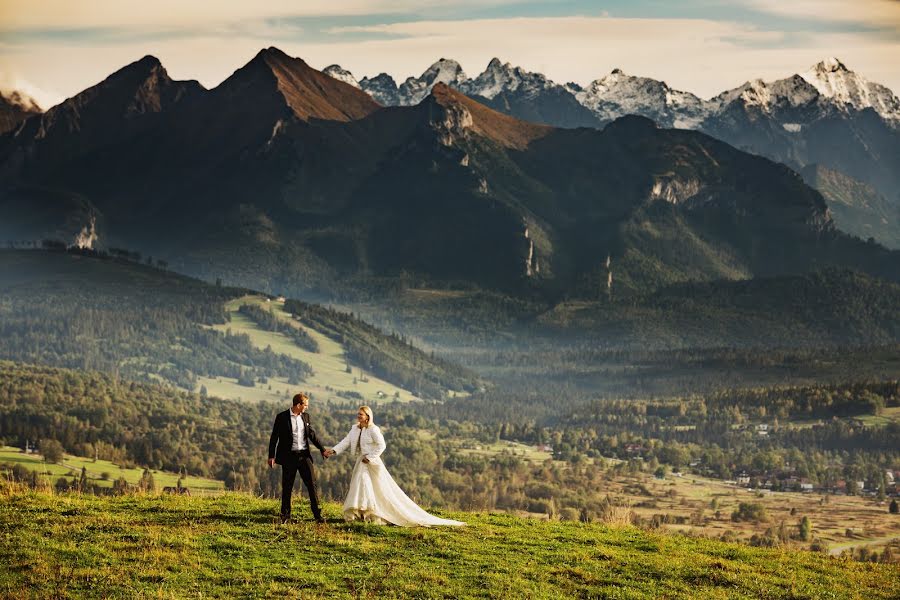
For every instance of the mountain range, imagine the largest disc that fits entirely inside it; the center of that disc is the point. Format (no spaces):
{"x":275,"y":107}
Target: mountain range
{"x":827,"y":115}
{"x":285,"y":178}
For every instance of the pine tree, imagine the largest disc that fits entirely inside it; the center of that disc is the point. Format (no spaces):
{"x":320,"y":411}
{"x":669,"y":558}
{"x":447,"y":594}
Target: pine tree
{"x":120,"y":486}
{"x":805,"y":529}
{"x":147,"y":484}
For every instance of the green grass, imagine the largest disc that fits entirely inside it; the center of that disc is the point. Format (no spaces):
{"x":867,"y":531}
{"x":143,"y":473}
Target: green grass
{"x":229,"y":546}
{"x":890,"y":414}
{"x":95,"y":470}
{"x":504,"y":447}
{"x":329,"y":363}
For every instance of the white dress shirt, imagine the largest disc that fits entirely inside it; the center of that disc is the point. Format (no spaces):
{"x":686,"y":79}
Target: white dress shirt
{"x":298,"y":429}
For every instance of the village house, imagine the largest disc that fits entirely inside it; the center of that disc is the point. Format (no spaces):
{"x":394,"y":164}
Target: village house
{"x":634,"y":449}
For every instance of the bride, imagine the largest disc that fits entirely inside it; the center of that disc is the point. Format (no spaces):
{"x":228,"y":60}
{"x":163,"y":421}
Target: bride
{"x":373,"y":495}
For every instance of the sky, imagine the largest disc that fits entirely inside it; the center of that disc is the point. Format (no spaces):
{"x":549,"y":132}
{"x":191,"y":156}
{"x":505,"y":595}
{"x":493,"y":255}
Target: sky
{"x":53,"y":49}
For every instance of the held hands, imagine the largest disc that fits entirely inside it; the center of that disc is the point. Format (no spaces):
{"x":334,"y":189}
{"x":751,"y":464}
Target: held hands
{"x":329,"y":452}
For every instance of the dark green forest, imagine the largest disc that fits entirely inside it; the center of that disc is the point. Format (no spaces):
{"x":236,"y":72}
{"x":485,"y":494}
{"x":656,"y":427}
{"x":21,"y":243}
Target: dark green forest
{"x":93,"y":414}
{"x":132,"y":320}
{"x":106,"y":313}
{"x":391,"y":357}
{"x":128,"y":331}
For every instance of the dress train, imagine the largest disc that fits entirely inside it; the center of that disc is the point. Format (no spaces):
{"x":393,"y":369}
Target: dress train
{"x":374,"y":496}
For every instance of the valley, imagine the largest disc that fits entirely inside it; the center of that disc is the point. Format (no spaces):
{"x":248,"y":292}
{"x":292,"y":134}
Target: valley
{"x":645,"y":344}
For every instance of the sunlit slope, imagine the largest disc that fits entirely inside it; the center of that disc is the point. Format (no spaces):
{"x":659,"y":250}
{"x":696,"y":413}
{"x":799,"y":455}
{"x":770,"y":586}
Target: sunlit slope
{"x":230,"y":547}
{"x":106,"y":313}
{"x":330,"y":365}
{"x":102,"y":473}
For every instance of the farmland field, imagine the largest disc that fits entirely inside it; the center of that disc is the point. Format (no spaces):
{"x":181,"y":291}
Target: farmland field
{"x":70,"y":468}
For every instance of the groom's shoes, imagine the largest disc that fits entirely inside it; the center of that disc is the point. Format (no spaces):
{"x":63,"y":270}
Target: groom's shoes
{"x":321,"y":520}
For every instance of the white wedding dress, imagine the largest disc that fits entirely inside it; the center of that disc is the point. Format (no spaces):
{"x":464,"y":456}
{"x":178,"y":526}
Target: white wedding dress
{"x":374,"y":495}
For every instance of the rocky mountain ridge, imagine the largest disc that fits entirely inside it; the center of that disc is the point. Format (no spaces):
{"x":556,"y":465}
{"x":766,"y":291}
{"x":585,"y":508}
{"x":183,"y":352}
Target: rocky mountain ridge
{"x":827,"y":115}
{"x":617,"y":94}
{"x":287,"y":179}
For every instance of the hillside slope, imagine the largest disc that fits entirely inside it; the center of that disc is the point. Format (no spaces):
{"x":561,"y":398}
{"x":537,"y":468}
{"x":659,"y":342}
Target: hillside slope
{"x":230,"y":547}
{"x":826,"y":308}
{"x":82,"y":311}
{"x":857,"y":207}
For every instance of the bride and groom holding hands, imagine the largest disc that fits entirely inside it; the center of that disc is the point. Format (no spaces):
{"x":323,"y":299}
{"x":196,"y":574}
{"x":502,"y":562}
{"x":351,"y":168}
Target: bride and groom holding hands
{"x":373,"y":496}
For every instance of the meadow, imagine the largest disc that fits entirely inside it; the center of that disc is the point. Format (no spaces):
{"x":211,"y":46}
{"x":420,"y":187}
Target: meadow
{"x":229,"y":546}
{"x":331,"y":375}
{"x":703,"y":506}
{"x":102,"y":473}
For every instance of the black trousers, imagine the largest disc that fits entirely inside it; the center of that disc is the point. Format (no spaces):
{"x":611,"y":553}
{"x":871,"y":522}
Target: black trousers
{"x":299,"y":463}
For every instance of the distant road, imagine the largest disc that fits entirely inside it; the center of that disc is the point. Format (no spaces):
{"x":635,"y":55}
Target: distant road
{"x":836,"y":549}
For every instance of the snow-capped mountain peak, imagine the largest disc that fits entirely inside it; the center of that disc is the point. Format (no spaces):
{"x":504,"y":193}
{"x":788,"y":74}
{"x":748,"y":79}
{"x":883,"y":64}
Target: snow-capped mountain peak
{"x":341,"y":74}
{"x":618,"y":94}
{"x":382,"y":88}
{"x":446,"y":70}
{"x":501,"y":77}
{"x":848,"y":89}
{"x":789,"y":93}
{"x":830,"y":65}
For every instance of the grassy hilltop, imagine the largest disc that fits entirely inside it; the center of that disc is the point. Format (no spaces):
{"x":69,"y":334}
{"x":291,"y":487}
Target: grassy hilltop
{"x":75,"y":546}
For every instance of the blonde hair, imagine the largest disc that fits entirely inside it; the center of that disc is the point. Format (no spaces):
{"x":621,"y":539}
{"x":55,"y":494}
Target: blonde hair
{"x":369,"y":414}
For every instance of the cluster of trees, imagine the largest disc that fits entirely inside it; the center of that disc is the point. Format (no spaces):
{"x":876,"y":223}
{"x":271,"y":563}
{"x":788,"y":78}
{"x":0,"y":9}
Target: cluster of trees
{"x":129,"y":320}
{"x":140,"y":424}
{"x":812,"y":432}
{"x":104,"y":312}
{"x":121,"y":254}
{"x":390,"y":357}
{"x":130,"y":423}
{"x":268,"y":321}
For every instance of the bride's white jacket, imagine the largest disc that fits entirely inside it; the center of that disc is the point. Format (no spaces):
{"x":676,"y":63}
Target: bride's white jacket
{"x":369,"y":440}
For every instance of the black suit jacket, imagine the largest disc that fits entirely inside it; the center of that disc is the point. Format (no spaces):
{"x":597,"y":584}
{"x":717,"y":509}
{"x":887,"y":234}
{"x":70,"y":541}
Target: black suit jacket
{"x":283,"y":437}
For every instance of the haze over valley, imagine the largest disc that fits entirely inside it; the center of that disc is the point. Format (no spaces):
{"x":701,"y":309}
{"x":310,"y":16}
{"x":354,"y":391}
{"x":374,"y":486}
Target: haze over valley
{"x":614,"y":303}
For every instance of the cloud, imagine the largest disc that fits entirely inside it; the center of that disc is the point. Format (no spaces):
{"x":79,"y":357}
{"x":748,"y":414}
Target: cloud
{"x":699,"y":55}
{"x":12,"y":82}
{"x":66,"y":14}
{"x":878,"y":14}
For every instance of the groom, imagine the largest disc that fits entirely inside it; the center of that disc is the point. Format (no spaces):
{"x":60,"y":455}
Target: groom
{"x":289,"y":447}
